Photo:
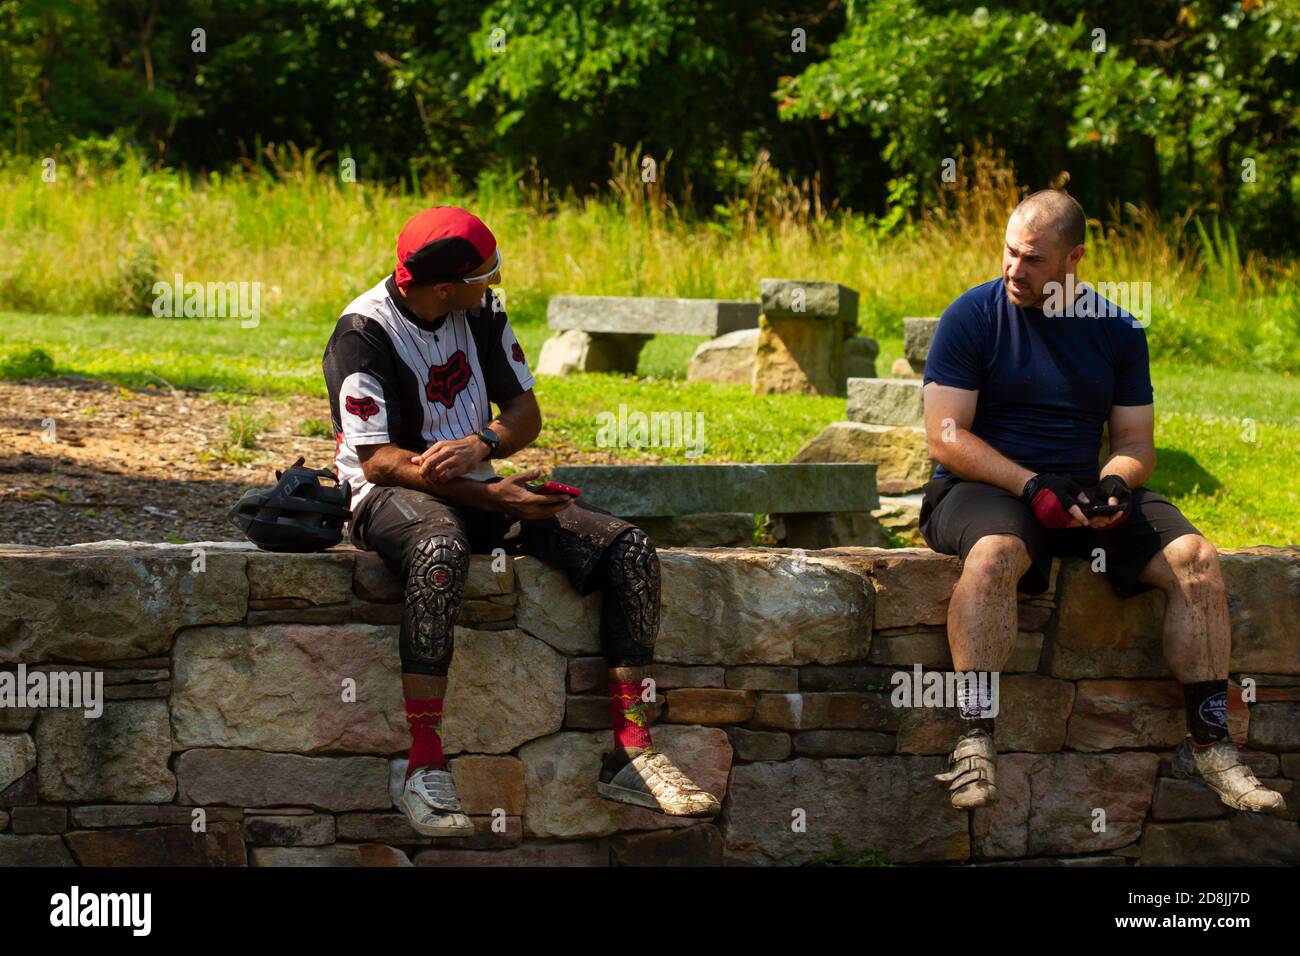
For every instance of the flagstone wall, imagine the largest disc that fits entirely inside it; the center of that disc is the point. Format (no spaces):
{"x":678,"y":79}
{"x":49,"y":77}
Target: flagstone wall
{"x":252,"y":714}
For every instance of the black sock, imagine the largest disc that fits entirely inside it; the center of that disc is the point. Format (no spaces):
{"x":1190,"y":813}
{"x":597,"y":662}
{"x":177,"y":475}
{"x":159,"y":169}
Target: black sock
{"x":970,"y":708}
{"x":1207,"y":710}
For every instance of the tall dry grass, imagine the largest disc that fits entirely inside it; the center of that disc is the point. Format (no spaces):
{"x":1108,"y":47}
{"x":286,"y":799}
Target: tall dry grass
{"x":96,"y":239}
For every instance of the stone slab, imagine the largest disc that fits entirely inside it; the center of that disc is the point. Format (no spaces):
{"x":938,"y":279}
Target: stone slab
{"x":114,"y":600}
{"x":886,"y":401}
{"x":918,"y":333}
{"x":888,"y":804}
{"x":674,"y":490}
{"x":650,"y":316}
{"x":802,"y":298}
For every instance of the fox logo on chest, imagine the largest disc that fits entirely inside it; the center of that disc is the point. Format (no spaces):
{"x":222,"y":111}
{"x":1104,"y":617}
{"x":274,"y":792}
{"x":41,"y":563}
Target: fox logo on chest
{"x":448,"y":380}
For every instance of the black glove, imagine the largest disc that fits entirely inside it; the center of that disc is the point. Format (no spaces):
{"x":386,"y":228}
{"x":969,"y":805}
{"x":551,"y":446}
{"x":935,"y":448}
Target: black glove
{"x":1113,"y":486}
{"x":1051,"y":497}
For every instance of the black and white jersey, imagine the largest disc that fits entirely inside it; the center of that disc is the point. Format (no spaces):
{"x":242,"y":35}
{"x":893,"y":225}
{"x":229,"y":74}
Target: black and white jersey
{"x":393,"y":377}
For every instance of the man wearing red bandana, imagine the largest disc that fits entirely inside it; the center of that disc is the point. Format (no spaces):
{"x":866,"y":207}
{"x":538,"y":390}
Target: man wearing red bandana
{"x":414,"y":367}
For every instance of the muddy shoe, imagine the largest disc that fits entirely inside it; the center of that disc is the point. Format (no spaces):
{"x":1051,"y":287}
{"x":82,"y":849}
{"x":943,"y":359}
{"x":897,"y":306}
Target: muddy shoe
{"x":1221,"y":768}
{"x":432,"y":805}
{"x":971,"y":774}
{"x":650,"y":780}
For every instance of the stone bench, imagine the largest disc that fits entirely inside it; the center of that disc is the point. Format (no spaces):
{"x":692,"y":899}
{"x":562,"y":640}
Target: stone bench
{"x":806,"y":342}
{"x":801,"y":336}
{"x":605,"y":333}
{"x":774,"y":680}
{"x":813,"y":504}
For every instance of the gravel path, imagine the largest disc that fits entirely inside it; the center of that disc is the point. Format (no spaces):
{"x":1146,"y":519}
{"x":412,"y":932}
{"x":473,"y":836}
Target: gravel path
{"x":84,"y":460}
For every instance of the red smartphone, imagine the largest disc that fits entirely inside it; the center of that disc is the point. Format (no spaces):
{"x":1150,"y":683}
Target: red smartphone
{"x":555,"y":488}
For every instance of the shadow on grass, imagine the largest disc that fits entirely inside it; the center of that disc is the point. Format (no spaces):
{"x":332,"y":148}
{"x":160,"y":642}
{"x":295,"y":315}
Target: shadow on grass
{"x":1178,"y":473}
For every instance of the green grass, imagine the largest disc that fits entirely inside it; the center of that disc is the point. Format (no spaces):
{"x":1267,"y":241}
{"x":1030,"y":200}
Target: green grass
{"x":1236,"y":490}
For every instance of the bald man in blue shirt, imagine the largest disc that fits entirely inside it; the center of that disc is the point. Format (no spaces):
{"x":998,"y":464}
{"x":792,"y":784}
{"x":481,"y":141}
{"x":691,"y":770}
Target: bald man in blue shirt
{"x":1023,"y":373}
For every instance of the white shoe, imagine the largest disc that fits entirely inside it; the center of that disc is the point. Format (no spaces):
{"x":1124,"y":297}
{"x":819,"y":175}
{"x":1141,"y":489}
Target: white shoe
{"x":972,"y":777}
{"x":1221,"y":768}
{"x":650,"y":780}
{"x":432,"y":806}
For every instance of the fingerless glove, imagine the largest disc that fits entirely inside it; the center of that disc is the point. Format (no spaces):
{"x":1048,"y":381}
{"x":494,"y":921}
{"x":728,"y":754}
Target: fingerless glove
{"x":1050,"y":497}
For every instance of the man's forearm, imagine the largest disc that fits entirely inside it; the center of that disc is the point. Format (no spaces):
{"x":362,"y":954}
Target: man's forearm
{"x":392,"y":466}
{"x":1134,"y":464}
{"x":515,"y":430}
{"x":513,"y":438}
{"x":974,"y":459}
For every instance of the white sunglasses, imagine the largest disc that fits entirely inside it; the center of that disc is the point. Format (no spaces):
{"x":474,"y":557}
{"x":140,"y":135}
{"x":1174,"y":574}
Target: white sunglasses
{"x":483,"y":279}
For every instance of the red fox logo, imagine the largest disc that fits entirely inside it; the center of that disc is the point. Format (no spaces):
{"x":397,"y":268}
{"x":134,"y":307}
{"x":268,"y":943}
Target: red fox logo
{"x":518,"y":353}
{"x":362,"y":407}
{"x":448,"y":380}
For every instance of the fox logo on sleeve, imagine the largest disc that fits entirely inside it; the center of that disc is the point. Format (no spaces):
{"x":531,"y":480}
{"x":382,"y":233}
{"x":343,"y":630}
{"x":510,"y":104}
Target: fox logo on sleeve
{"x":395,"y":378}
{"x":362,"y":407}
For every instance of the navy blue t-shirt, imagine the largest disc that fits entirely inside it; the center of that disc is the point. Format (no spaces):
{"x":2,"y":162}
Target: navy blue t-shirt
{"x":1046,"y":383}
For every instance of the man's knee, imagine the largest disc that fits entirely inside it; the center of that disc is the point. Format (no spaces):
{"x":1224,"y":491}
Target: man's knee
{"x":997,"y":559}
{"x":630,"y":605}
{"x":438,"y":567}
{"x":632,"y":556}
{"x":1189,"y":563}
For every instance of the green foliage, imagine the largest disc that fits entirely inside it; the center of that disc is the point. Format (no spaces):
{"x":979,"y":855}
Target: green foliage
{"x":1172,"y":104}
{"x":924,"y":82}
{"x":839,"y":856}
{"x":242,"y":428}
{"x":315,"y":428}
{"x":31,"y":363}
{"x":137,"y":273}
{"x":1175,"y":104}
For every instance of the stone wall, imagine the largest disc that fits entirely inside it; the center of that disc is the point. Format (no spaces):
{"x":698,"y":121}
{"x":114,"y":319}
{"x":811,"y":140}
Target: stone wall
{"x":265,"y":690}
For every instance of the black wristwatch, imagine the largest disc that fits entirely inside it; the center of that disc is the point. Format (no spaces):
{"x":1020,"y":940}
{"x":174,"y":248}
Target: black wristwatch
{"x":491,"y":439}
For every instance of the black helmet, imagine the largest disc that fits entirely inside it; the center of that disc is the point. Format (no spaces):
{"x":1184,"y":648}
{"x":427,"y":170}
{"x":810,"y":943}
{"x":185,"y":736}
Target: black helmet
{"x":299,"y":514}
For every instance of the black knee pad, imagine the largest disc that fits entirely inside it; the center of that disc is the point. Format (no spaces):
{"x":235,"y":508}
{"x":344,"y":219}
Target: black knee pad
{"x":435,"y":583}
{"x":629,"y":610}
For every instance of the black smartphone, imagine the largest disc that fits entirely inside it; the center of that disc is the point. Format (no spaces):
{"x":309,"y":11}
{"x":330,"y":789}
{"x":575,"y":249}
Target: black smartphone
{"x":1100,"y":511}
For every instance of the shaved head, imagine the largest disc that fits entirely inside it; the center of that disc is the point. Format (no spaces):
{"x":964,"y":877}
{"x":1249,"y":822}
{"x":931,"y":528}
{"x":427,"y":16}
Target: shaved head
{"x":1044,"y":243}
{"x":1054,"y":211}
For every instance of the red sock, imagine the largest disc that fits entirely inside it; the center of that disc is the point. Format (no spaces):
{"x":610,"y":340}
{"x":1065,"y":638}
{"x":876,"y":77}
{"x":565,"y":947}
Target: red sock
{"x":425,"y":720}
{"x":630,"y":715}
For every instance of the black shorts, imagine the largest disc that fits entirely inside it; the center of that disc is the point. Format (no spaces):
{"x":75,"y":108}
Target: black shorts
{"x":956,"y":513}
{"x":393,"y":520}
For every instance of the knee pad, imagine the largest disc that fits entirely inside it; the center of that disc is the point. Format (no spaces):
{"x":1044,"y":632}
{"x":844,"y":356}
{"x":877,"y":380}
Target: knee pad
{"x":434,"y":584}
{"x":630,"y":606}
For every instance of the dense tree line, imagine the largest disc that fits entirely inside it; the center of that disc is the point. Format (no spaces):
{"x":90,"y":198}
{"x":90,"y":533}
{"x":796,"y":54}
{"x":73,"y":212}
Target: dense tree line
{"x":1176,"y":105}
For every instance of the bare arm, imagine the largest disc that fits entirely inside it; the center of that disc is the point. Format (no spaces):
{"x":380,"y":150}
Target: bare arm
{"x":948,"y":416}
{"x":387,"y":465}
{"x":390,"y":465}
{"x":518,"y":425}
{"x":1132,"y":444}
